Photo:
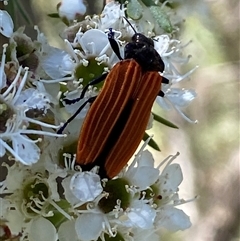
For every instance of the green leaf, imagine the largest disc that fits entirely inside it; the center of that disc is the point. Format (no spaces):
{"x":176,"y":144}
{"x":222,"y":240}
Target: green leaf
{"x":164,"y":121}
{"x":161,"y":18}
{"x":134,"y":10}
{"x":151,"y":143}
{"x":53,"y":15}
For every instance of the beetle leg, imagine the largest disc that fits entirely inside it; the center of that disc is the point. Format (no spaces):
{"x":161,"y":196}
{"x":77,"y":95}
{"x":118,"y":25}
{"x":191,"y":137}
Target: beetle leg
{"x":93,"y":82}
{"x":165,"y":80}
{"x":161,"y":93}
{"x":90,"y":100}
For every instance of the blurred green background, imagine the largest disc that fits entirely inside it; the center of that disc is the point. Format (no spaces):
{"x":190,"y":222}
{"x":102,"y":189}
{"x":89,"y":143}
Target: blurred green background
{"x":209,"y":150}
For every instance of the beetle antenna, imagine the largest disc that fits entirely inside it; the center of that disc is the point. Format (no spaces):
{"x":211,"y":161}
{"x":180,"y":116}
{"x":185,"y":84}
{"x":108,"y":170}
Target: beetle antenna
{"x":130,"y":24}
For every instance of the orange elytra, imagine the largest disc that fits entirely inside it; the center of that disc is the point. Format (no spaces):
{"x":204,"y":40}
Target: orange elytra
{"x":117,"y":119}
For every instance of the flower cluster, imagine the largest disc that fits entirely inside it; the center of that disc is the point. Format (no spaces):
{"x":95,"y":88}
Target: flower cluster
{"x":44,"y":188}
{"x":136,"y":205}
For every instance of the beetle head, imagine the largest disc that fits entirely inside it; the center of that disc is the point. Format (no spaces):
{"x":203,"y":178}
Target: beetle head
{"x":141,"y":48}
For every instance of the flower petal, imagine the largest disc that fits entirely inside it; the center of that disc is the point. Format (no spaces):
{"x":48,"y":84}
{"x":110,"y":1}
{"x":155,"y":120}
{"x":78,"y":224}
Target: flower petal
{"x":27,"y":150}
{"x":57,"y":63}
{"x":89,"y":226}
{"x":6,"y":24}
{"x":33,"y":99}
{"x":67,"y":231}
{"x":143,"y":235}
{"x":94,"y":41}
{"x":174,"y":176}
{"x":41,"y":230}
{"x":2,"y":149}
{"x":86,"y":186}
{"x":70,"y":197}
{"x":174,"y":219}
{"x":141,"y":215}
{"x":162,"y":43}
{"x":144,"y":177}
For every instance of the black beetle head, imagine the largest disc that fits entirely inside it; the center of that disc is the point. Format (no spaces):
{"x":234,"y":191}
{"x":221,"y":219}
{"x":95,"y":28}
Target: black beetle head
{"x":142,"y":50}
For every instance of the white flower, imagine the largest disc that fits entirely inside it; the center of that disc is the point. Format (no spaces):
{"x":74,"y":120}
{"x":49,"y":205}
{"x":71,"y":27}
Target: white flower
{"x":15,"y":104}
{"x":94,"y":43}
{"x":144,"y":174}
{"x":57,"y":63}
{"x":167,"y":198}
{"x":23,"y":148}
{"x":164,"y":193}
{"x":171,"y":52}
{"x":83,"y":188}
{"x":111,"y":14}
{"x":166,"y":186}
{"x":32,"y":197}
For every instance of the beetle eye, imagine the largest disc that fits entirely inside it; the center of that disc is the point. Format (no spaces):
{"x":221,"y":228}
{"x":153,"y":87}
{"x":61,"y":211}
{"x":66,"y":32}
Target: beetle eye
{"x":135,"y":37}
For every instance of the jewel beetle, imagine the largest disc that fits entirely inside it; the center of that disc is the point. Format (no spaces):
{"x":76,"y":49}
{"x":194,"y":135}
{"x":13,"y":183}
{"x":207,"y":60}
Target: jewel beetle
{"x":118,"y":116}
